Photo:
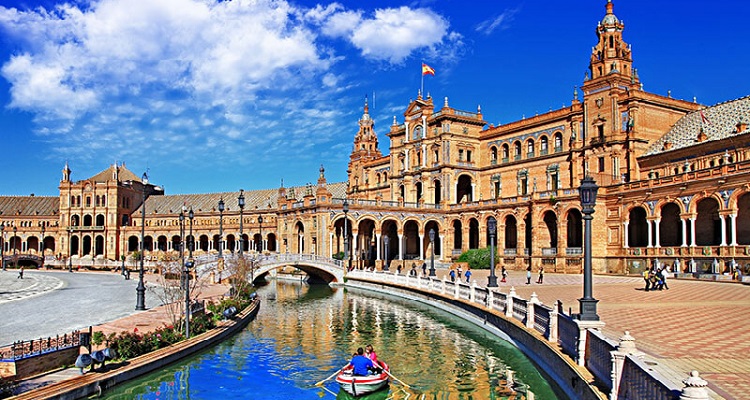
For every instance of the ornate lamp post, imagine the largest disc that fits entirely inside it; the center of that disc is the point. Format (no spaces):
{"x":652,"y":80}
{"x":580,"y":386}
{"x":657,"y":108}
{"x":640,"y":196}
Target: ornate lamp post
{"x":41,"y":244}
{"x":70,"y":250}
{"x":386,"y":239}
{"x":492,"y":227}
{"x":15,"y":244}
{"x":191,"y":239}
{"x":2,"y":244}
{"x":140,"y":291}
{"x":260,"y":227}
{"x":241,"y":204}
{"x":221,"y":225}
{"x":346,"y":235}
{"x":432,"y":255}
{"x":189,"y":264}
{"x":182,"y":242}
{"x":587,"y":304}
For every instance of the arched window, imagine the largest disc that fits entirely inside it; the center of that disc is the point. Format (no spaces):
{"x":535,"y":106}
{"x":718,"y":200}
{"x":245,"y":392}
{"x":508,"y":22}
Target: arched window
{"x":417,"y":132}
{"x":517,"y":150}
{"x":506,"y":152}
{"x":529,"y":148}
{"x":543,"y":145}
{"x":493,"y":155}
{"x":558,"y":142}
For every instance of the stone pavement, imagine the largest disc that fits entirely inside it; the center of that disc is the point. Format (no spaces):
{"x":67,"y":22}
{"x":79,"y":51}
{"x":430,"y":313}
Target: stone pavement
{"x":695,"y":325}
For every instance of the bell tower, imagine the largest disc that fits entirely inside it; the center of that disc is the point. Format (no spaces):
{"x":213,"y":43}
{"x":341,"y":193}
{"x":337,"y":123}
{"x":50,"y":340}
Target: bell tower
{"x":611,"y":58}
{"x":365,"y":149}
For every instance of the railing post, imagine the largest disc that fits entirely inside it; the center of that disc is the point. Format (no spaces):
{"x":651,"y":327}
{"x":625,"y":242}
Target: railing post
{"x":530,"y":317}
{"x":553,"y":315}
{"x":456,"y":289}
{"x":509,"y":302}
{"x":442,"y":287}
{"x":490,"y":299}
{"x":583,"y":327}
{"x":625,"y":348}
{"x":473,"y":295}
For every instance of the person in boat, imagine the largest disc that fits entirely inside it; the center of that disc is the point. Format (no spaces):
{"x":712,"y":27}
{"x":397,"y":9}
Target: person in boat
{"x":361,"y":365}
{"x":370,"y":353}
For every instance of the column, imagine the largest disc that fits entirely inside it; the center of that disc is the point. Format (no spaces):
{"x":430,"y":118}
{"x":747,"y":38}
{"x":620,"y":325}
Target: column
{"x":684,"y":232}
{"x":330,"y":248}
{"x":355,"y":246}
{"x":658,"y":240}
{"x":625,"y":227}
{"x":692,"y":232}
{"x":400,"y":246}
{"x":650,"y":233}
{"x":299,"y":243}
{"x":424,"y":154}
{"x":406,"y":158}
{"x":377,"y":247}
{"x":734,"y":229}
{"x":473,"y":192}
{"x":421,"y":247}
{"x":723,"y":229}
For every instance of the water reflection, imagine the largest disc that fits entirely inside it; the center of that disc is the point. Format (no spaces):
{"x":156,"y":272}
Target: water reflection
{"x":305,"y":333}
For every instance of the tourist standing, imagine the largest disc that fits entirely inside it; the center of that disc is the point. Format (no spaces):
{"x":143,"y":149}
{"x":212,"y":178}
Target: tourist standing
{"x":504,"y":274}
{"x":541,"y":275}
{"x":528,"y":275}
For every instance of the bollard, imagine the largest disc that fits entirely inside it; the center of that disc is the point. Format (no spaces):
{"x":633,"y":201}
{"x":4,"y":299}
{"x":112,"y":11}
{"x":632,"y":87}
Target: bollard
{"x":83,"y":361}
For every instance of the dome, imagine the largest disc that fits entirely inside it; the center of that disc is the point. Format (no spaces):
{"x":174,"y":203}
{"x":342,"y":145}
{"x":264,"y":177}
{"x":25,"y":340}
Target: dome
{"x":610,"y":19}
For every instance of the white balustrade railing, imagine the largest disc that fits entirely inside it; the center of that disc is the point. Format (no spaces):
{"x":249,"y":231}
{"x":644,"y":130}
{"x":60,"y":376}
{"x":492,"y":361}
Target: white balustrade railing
{"x":588,"y":347}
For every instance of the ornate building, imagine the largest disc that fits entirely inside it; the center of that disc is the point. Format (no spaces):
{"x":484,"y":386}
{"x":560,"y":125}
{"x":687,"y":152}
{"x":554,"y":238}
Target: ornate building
{"x":673,"y":175}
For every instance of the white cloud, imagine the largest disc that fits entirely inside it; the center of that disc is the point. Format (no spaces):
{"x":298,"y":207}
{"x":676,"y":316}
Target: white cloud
{"x":391,"y":34}
{"x":501,"y":22}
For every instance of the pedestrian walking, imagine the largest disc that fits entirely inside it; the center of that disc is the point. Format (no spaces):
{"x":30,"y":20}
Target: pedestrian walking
{"x":452,"y":275}
{"x":20,"y":273}
{"x":528,"y":275}
{"x":468,"y":274}
{"x":399,"y":269}
{"x":541,"y":275}
{"x":504,"y":274}
{"x":647,"y":278}
{"x":424,"y":268}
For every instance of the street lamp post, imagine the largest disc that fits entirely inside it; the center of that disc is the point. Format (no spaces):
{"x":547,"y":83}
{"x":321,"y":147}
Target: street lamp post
{"x":2,"y":244}
{"x":492,"y":227}
{"x":221,"y":225}
{"x":587,"y":304}
{"x":241,"y":204}
{"x":188,"y":265}
{"x":386,"y":239}
{"x":260,"y":227}
{"x":346,"y":235}
{"x":182,"y":241}
{"x":41,"y":244}
{"x":15,"y":244}
{"x":70,"y":250}
{"x":191,"y":239}
{"x":432,"y":253}
{"x":140,"y":302}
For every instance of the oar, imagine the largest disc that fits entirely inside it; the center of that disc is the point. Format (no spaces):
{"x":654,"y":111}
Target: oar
{"x":332,"y":375}
{"x":391,"y":375}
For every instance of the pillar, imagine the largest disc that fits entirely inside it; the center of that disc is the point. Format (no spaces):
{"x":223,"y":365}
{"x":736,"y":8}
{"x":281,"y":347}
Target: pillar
{"x":421,"y":247}
{"x":657,"y":222}
{"x":650,"y":233}
{"x":684,"y":232}
{"x":723,"y":229}
{"x":400,"y":246}
{"x":625,"y":230}
{"x":692,"y":232}
{"x":734,"y":229}
{"x":377,"y":247}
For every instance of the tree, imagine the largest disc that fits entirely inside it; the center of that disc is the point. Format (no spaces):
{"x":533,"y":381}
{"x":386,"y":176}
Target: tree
{"x":478,"y":258}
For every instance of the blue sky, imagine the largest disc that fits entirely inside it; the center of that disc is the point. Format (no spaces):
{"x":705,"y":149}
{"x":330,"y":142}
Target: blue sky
{"x":214,"y":96}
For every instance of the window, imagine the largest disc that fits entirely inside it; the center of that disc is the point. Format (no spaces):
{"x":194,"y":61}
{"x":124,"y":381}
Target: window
{"x":418,"y":132}
{"x":435,"y":156}
{"x":600,"y":130}
{"x":460,"y":155}
{"x":558,"y":142}
{"x":530,"y":148}
{"x":505,"y":153}
{"x":601,"y":164}
{"x":543,"y":145}
{"x":517,"y":150}
{"x":493,"y":155}
{"x":468,"y":155}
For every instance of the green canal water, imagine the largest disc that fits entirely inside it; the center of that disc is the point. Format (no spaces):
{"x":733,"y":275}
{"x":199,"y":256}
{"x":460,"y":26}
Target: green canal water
{"x":303,"y":334}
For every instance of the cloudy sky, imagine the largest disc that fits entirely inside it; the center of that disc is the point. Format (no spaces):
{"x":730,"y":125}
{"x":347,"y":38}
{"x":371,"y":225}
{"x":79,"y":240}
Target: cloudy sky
{"x":212,"y":95}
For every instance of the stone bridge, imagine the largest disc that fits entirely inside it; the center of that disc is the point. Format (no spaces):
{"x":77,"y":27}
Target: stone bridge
{"x":319,"y":269}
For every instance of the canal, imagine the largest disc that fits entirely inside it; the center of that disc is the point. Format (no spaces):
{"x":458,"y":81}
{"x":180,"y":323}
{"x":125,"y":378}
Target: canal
{"x":303,"y":334}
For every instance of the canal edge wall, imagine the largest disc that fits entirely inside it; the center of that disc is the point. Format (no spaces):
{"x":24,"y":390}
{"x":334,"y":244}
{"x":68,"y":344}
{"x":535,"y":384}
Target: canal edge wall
{"x":95,"y":383}
{"x":575,"y":381}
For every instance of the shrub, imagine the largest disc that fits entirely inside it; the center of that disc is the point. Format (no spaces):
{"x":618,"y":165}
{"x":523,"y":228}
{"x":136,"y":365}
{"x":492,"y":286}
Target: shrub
{"x":478,"y":258}
{"x":339,"y":256}
{"x":97,"y":338}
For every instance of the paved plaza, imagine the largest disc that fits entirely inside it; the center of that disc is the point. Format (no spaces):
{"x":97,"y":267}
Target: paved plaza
{"x":693,"y":325}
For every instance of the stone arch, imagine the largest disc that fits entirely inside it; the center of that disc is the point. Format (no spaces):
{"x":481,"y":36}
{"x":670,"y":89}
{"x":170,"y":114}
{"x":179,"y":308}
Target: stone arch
{"x":366,"y":246}
{"x":464,"y":192}
{"x":550,"y":221}
{"x":637,"y":227}
{"x":511,"y":232}
{"x":670,"y":226}
{"x":743,"y":219}
{"x":88,"y":220}
{"x":133,"y":243}
{"x":473,"y":233}
{"x":203,"y":242}
{"x":271,"y":245}
{"x":299,"y":237}
{"x":75,"y":220}
{"x":100,"y":220}
{"x":99,"y":245}
{"x":389,"y":229}
{"x":411,"y":231}
{"x":432,"y":225}
{"x":438,"y":188}
{"x":87,"y":245}
{"x":707,"y":222}
{"x":574,"y":234}
{"x":457,"y":234}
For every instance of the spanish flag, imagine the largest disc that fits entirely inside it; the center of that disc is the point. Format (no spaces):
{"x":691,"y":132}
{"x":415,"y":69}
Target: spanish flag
{"x":427,"y":70}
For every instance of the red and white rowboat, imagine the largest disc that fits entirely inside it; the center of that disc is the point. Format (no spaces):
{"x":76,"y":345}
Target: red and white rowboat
{"x":357,"y":385}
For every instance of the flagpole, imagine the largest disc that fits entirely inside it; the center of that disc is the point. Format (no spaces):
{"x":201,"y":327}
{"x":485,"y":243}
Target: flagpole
{"x":422,"y":88}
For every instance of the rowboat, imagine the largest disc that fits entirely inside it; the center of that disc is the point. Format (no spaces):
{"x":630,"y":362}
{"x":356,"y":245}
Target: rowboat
{"x":357,"y":385}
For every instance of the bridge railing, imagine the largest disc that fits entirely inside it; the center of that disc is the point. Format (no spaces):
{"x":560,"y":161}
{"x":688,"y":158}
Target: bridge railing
{"x":617,"y":365}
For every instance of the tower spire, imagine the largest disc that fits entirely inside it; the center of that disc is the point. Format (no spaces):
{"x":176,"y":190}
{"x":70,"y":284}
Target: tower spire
{"x":611,"y":57}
